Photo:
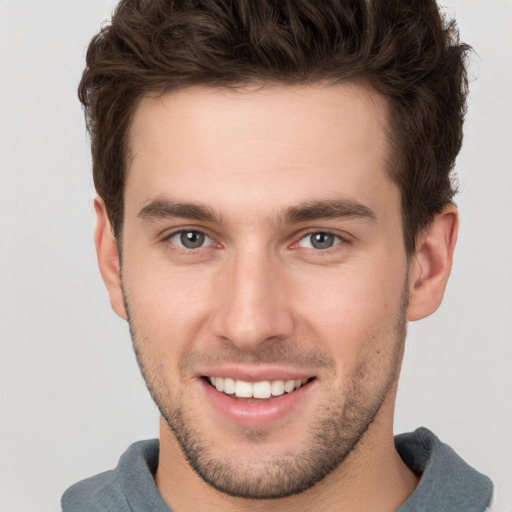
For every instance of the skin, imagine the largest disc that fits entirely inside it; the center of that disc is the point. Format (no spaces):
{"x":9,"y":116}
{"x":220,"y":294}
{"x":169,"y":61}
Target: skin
{"x":258,"y":297}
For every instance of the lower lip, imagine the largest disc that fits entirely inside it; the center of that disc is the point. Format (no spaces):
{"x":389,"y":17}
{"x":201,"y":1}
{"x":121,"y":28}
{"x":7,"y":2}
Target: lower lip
{"x":256,"y":414}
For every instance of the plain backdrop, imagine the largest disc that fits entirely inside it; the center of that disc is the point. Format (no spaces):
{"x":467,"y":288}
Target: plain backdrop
{"x":72,"y":399}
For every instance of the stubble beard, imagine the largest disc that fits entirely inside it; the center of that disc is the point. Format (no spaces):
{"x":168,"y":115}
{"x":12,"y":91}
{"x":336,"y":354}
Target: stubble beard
{"x":334,"y":434}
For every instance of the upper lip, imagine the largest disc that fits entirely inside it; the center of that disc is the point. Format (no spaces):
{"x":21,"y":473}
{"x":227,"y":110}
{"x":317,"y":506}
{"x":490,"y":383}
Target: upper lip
{"x":255,"y":374}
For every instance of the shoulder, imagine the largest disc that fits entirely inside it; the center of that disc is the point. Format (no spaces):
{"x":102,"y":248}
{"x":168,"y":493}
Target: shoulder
{"x":98,"y":493}
{"x":114,"y":490}
{"x":447,"y":482}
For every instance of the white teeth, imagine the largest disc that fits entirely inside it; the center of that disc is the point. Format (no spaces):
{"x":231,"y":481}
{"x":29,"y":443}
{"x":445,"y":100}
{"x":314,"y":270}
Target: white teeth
{"x":277,"y":387}
{"x":243,"y":389}
{"x":263,"y":389}
{"x":229,"y":386}
{"x":289,"y":386}
{"x":219,"y":384}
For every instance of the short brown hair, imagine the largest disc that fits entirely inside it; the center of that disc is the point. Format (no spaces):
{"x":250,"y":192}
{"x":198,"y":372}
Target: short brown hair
{"x":405,"y":50}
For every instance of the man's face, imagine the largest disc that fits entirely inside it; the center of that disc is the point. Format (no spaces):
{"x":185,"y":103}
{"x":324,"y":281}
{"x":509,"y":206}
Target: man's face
{"x":262,"y":250}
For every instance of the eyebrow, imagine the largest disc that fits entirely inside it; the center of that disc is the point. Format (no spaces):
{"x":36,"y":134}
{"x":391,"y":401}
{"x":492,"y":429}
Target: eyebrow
{"x":302,"y":212}
{"x":165,"y":208}
{"x":328,"y":209}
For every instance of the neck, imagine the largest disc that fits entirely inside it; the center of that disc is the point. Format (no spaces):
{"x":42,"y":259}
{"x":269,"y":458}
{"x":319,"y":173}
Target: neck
{"x":373,"y":478}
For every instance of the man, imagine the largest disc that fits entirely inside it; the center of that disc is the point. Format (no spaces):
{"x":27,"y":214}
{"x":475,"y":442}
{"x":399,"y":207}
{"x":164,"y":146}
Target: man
{"x":274,"y":205}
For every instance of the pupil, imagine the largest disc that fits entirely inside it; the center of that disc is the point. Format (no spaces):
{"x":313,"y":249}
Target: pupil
{"x":192,"y":239}
{"x":322,"y":240}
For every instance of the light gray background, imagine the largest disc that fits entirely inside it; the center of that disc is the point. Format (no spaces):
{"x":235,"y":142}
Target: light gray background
{"x":72,"y":399}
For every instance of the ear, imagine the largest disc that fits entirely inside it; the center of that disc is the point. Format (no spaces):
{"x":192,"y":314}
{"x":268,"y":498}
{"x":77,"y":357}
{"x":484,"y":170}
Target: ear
{"x":108,"y":258}
{"x":431,"y":264}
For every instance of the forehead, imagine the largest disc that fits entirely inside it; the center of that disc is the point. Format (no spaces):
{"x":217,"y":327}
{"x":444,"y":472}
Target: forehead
{"x":274,"y":143}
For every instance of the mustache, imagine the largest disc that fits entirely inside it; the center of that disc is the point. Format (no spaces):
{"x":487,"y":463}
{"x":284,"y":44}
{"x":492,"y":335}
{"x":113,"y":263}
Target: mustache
{"x":271,"y":352}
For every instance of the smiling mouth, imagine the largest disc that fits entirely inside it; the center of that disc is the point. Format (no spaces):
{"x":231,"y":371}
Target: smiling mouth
{"x":262,"y":390}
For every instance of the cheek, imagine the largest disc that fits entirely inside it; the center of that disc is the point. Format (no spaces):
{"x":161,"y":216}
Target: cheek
{"x":167,"y":306}
{"x":351,"y":311}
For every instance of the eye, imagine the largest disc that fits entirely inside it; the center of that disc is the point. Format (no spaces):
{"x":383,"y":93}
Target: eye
{"x":319,"y":240}
{"x":190,"y":239}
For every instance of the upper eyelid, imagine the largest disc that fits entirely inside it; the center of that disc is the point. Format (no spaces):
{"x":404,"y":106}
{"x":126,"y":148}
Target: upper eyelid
{"x":342,"y":240}
{"x":188,"y":230}
{"x":343,"y":236}
{"x":296,"y":237}
{"x":325,"y":231}
{"x":166,"y":237}
{"x":169,"y":233}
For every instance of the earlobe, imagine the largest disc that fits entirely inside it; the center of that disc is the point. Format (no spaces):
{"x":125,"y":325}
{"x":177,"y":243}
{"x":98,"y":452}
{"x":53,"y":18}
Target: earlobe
{"x":108,"y":258}
{"x":431,"y":264}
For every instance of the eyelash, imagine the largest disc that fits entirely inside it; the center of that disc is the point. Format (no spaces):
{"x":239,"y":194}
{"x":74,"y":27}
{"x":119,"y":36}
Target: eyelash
{"x":187,"y":250}
{"x":339,"y":241}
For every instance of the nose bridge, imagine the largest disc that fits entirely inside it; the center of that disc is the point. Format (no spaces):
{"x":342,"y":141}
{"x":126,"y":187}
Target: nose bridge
{"x":252,"y":304}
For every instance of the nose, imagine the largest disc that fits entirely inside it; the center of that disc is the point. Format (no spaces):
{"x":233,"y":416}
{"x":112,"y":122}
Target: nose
{"x":252,"y":305}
